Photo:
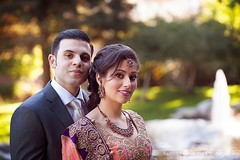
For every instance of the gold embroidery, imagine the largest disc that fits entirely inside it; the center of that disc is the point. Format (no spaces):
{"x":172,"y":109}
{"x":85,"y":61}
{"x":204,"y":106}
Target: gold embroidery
{"x":89,"y":140}
{"x":97,"y":142}
{"x":140,"y":149}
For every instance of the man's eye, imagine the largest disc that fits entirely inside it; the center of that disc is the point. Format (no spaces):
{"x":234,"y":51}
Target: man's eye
{"x":85,"y":58}
{"x":69,"y":55}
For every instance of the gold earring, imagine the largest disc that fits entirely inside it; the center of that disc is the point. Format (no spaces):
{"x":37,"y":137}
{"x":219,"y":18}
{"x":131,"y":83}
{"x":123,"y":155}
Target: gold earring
{"x":101,"y":91}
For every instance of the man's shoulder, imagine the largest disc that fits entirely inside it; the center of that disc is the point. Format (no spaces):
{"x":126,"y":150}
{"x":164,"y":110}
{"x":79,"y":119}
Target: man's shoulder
{"x":38,"y":98}
{"x":33,"y":100}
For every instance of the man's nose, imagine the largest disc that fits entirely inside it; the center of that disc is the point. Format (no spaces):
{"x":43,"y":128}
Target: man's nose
{"x":77,"y":60}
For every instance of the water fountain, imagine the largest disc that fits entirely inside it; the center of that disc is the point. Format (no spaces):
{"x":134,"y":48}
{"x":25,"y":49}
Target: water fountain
{"x":183,"y":139}
{"x":221,"y":114}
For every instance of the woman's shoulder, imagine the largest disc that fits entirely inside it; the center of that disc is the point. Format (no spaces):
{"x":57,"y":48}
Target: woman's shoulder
{"x":133,"y":114}
{"x":77,"y":127}
{"x":81,"y":123}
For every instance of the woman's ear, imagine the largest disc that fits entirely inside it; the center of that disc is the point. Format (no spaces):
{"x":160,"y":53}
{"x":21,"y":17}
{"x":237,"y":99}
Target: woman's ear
{"x":52,"y":60}
{"x":99,"y":79}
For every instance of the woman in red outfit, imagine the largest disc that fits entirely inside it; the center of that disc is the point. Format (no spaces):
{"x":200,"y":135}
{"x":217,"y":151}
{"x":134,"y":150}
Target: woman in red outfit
{"x":109,"y":131}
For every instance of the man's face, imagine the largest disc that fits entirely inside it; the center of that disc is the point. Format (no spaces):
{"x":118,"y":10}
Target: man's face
{"x":72,"y":63}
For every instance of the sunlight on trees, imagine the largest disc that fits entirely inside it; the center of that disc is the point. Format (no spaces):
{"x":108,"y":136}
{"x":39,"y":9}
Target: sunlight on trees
{"x":182,"y":41}
{"x":30,"y":80}
{"x":226,"y":12}
{"x":223,"y":11}
{"x":22,"y":29}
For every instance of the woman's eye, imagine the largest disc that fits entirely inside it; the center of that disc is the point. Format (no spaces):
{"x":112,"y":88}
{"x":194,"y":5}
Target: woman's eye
{"x":119,"y":75}
{"x":133,"y":78}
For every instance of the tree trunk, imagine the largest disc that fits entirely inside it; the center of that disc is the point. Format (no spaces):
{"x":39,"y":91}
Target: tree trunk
{"x":146,"y":83}
{"x":190,"y":77}
{"x":46,"y":68}
{"x":45,"y":53}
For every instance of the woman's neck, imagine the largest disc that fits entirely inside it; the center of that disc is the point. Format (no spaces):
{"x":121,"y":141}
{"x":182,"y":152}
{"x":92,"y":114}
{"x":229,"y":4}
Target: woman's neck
{"x":111,"y":110}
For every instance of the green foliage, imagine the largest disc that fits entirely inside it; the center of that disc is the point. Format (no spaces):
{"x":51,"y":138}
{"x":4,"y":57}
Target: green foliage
{"x":200,"y":48}
{"x":24,"y":68}
{"x":225,"y":12}
{"x":7,"y":63}
{"x":25,"y":24}
{"x":108,"y":19}
{"x":5,"y":117}
{"x":6,"y":90}
{"x":161,"y":102}
{"x":201,"y":45}
{"x":185,"y":40}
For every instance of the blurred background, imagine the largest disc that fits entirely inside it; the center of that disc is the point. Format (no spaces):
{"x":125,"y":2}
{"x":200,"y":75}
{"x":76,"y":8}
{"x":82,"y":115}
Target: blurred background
{"x":181,"y":44}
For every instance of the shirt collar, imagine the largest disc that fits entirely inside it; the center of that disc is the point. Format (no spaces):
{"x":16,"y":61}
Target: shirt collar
{"x":65,"y":95}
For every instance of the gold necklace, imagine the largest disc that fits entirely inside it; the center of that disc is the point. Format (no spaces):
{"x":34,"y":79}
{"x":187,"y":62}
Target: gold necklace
{"x":124,"y":132}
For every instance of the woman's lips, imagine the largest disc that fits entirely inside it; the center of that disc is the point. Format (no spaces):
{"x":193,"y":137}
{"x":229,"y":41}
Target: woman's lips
{"x":125,"y":92}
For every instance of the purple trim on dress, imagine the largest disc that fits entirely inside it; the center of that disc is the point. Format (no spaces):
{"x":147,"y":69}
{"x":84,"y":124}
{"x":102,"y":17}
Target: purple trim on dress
{"x":87,"y":139}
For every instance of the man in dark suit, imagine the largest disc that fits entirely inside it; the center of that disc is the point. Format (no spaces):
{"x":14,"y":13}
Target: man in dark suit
{"x":38,"y":123}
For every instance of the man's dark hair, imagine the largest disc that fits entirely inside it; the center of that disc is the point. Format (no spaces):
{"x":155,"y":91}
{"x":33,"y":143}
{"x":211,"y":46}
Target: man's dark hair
{"x":70,"y":34}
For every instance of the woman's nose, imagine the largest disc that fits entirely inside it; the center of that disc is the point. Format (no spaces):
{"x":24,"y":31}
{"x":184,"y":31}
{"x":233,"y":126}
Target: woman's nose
{"x":127,"y":82}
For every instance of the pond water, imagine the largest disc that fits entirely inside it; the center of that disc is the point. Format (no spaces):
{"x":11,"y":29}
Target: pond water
{"x":203,"y":152}
{"x":200,"y":139}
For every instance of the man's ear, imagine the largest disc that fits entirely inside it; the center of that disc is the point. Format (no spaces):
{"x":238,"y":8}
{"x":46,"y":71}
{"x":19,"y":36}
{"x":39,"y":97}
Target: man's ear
{"x":52,"y":60}
{"x":99,"y":79}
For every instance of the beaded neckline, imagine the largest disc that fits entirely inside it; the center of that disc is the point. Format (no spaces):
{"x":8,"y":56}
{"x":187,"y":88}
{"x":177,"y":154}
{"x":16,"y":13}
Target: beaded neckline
{"x":128,"y":132}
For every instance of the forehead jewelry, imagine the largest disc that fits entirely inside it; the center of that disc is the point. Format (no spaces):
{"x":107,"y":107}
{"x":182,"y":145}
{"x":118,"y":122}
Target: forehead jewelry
{"x":129,"y":62}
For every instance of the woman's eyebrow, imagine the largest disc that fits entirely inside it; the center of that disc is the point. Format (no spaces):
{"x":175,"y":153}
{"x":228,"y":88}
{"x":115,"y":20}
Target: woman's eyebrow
{"x":120,"y":70}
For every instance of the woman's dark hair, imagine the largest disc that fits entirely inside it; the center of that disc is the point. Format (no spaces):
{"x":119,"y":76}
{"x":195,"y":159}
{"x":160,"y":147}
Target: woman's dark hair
{"x":108,"y":57}
{"x":70,"y":34}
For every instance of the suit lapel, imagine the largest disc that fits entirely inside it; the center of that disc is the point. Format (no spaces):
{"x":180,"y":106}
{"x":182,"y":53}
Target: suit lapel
{"x":57,"y":107}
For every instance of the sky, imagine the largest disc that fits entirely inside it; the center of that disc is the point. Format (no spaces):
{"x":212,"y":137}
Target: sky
{"x":167,"y":9}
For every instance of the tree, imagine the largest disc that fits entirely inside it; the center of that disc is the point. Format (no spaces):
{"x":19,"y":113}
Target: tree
{"x":35,"y":21}
{"x":108,"y":21}
{"x":197,"y":47}
{"x":27,"y":23}
{"x":225,"y":12}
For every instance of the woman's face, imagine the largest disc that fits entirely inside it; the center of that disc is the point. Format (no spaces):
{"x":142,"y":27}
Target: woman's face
{"x":120,"y":83}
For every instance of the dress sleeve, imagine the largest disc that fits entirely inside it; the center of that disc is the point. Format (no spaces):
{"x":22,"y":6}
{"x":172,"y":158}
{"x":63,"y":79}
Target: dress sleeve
{"x":69,"y":151}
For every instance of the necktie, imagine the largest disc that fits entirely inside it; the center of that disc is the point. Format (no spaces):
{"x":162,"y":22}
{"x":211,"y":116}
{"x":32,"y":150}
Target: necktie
{"x":76,"y":109}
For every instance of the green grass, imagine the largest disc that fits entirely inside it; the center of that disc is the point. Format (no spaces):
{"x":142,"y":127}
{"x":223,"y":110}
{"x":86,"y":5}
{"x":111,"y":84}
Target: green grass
{"x":5,"y":117}
{"x":159,"y":103}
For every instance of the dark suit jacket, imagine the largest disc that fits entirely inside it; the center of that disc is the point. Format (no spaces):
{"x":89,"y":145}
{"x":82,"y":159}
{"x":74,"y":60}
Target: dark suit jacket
{"x":37,"y":125}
